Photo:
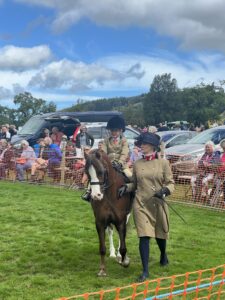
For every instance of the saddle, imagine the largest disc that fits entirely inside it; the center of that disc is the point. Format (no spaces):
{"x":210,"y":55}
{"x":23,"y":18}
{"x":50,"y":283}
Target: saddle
{"x":118,"y":167}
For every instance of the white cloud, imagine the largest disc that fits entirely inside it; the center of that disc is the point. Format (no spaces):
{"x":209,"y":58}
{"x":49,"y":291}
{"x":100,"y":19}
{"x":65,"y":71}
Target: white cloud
{"x":71,"y":75}
{"x":195,"y":24}
{"x":20,"y":58}
{"x":66,"y":80}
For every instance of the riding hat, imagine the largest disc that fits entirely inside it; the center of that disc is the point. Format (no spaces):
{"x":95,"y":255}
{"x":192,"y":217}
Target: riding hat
{"x":148,"y":138}
{"x":116,"y":123}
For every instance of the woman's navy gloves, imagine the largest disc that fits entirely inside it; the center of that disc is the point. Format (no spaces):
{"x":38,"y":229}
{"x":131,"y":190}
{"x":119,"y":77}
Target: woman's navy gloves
{"x":121,"y":191}
{"x":162,"y":193}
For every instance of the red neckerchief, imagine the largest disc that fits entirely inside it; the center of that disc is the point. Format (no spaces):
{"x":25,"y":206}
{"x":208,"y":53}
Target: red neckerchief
{"x":150,"y":157}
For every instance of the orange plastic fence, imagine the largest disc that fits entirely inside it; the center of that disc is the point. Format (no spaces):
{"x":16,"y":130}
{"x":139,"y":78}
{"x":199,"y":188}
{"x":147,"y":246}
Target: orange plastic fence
{"x":202,"y":284}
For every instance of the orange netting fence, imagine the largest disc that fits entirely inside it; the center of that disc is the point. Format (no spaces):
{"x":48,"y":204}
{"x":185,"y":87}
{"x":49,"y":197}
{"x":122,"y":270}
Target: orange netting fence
{"x":202,"y":284}
{"x":65,"y":167}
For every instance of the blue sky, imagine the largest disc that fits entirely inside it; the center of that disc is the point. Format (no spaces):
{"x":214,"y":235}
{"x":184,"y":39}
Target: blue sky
{"x":66,"y":50}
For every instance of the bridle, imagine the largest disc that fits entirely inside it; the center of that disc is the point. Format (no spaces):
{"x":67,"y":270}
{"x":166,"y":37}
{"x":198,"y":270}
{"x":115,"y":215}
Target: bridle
{"x":104,"y":184}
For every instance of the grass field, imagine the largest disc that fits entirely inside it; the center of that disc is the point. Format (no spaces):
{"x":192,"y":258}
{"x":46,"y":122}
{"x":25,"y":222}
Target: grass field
{"x":49,"y":246}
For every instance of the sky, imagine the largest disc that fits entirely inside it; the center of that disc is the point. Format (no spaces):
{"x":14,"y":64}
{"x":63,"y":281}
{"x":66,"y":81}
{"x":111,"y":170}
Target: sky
{"x":65,"y":50}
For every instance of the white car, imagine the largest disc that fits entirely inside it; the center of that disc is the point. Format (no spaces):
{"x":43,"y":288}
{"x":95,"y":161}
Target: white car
{"x":99,"y":132}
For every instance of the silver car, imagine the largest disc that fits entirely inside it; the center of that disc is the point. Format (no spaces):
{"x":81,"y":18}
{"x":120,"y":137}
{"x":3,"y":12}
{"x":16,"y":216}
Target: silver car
{"x":184,"y":158}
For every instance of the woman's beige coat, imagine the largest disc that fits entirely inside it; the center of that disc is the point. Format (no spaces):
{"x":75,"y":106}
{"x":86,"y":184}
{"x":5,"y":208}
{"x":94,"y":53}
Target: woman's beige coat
{"x":151,"y":213}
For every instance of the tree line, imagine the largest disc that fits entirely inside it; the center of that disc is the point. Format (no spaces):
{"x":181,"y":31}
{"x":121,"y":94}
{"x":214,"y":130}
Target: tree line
{"x":164,"y":102}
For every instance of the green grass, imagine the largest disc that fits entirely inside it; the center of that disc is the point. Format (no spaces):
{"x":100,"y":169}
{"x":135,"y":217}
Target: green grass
{"x":49,"y":246}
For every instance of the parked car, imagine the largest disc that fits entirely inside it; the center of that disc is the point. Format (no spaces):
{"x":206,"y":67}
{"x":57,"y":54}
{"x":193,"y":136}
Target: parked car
{"x":65,"y":121}
{"x":99,"y":132}
{"x":184,"y":158}
{"x":176,"y":137}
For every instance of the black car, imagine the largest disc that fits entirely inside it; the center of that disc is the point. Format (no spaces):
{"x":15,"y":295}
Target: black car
{"x":67,"y":122}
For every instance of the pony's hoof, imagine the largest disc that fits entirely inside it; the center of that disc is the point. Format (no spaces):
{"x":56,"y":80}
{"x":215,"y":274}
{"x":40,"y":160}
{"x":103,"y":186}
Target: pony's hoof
{"x":119,"y":259}
{"x":126,"y":262}
{"x":112,"y":254}
{"x":101,"y":273}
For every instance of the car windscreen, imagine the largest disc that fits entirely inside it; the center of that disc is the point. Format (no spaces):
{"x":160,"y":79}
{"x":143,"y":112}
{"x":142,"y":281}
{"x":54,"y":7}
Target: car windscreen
{"x":168,"y":136}
{"x":215,"y":135}
{"x":32,"y":126}
{"x":97,"y":132}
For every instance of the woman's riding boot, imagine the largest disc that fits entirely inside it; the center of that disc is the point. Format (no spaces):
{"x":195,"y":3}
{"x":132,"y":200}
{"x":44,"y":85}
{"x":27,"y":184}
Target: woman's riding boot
{"x":162,"y":247}
{"x":144,"y":253}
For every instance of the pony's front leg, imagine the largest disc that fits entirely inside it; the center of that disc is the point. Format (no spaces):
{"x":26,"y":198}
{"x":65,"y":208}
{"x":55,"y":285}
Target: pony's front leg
{"x":112,"y":250}
{"x":125,"y":261}
{"x":102,"y":248}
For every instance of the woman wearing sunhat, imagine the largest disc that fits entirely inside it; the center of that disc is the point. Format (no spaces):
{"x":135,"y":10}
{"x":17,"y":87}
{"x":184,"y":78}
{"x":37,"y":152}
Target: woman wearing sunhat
{"x":152,"y":181}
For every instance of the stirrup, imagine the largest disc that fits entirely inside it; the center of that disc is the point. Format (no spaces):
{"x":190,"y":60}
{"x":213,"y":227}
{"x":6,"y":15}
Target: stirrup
{"x":86,"y":196}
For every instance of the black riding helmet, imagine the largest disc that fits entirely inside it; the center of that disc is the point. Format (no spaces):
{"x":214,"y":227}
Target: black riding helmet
{"x":116,"y":123}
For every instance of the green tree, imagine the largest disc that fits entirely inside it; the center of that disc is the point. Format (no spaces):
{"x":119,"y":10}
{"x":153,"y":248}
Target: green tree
{"x":203,"y":103}
{"x":161,"y":104}
{"x":29,"y":106}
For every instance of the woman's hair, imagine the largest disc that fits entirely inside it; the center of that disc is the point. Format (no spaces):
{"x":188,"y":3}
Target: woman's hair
{"x":210,"y":143}
{"x":222,"y":142}
{"x":24,"y":142}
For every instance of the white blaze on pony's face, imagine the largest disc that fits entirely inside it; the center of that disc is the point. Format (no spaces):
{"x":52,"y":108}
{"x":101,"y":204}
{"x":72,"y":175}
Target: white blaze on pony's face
{"x":96,"y":193}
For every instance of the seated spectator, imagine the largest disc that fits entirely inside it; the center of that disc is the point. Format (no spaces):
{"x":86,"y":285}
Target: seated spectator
{"x":56,"y":135}
{"x":205,"y":172}
{"x":70,"y":149}
{"x":63,"y":143}
{"x":40,"y":164}
{"x":7,"y":159}
{"x":39,"y":147}
{"x":26,"y":159}
{"x":53,"y":154}
{"x":79,"y":176}
{"x":84,"y":138}
{"x":219,"y":179}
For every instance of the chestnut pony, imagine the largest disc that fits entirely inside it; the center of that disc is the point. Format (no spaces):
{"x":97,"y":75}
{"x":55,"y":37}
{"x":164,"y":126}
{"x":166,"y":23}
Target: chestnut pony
{"x":107,"y":207}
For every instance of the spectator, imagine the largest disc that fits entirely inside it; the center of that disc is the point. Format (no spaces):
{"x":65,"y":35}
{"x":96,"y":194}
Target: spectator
{"x":70,"y":149}
{"x":46,"y":133}
{"x":205,"y":172}
{"x":56,"y":135}
{"x":84,"y":138}
{"x":40,"y":164}
{"x":53,"y":154}
{"x":152,"y":129}
{"x":6,"y":158}
{"x":12,"y":130}
{"x":26,"y":159}
{"x":39,"y":147}
{"x":5,"y":134}
{"x":135,"y":155}
{"x":100,"y":145}
{"x":219,"y":180}
{"x":79,"y":176}
{"x":63,"y":143}
{"x":162,"y":127}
